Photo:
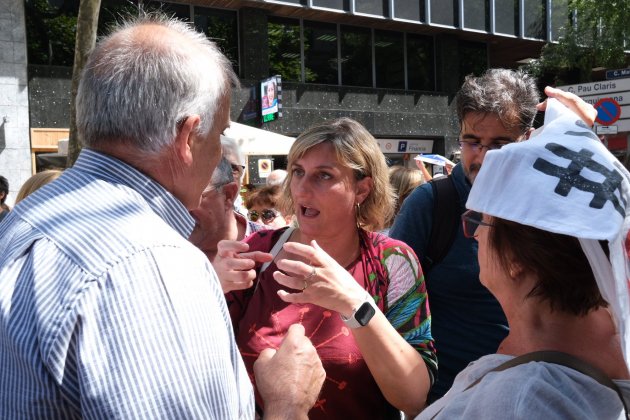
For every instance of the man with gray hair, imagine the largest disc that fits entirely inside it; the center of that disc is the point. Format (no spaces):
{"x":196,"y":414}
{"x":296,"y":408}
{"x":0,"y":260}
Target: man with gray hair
{"x":467,"y":322}
{"x":232,"y":152}
{"x":106,"y":309}
{"x":277,"y":177}
{"x":215,"y":218}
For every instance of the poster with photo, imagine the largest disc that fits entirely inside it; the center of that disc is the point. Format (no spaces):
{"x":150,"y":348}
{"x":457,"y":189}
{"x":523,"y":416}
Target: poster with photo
{"x":269,"y":98}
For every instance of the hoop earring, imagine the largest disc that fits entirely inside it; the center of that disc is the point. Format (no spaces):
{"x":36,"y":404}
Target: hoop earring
{"x":358,"y":214}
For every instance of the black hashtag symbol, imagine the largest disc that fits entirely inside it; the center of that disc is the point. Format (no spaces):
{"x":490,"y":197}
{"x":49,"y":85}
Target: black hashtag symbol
{"x":570,"y":177}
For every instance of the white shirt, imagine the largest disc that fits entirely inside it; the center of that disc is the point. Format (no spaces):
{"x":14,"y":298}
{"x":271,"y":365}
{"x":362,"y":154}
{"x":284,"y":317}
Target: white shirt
{"x":107,"y":311}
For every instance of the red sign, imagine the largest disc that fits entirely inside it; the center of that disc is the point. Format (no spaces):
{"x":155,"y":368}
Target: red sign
{"x":608,"y":111}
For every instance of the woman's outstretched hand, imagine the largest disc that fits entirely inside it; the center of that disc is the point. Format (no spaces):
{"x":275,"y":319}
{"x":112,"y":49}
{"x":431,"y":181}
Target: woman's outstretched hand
{"x":323,"y":282}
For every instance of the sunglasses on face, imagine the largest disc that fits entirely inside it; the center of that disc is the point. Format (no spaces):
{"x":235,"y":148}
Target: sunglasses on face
{"x":471,"y":220}
{"x":267,"y":215}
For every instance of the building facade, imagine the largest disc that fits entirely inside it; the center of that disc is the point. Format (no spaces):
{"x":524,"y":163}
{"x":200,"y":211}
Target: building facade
{"x":393,"y":65}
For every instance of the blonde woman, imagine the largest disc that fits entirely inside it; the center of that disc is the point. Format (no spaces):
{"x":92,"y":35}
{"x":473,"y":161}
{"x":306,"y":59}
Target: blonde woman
{"x":404,"y":181}
{"x":36,"y":182}
{"x":360,"y":295}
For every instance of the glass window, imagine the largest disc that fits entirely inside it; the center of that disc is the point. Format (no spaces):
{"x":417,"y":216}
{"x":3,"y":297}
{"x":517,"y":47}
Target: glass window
{"x":320,"y":53}
{"x":284,"y":48}
{"x":559,"y":18}
{"x":50,"y":31}
{"x":51,"y":25}
{"x":473,"y":59}
{"x":221,"y":27}
{"x":444,"y":12}
{"x":300,"y":2}
{"x":420,"y":62}
{"x":333,"y":4}
{"x":112,"y":10}
{"x":356,"y":56}
{"x":535,"y":18}
{"x":372,"y":7}
{"x":409,"y":9}
{"x":389,"y":56}
{"x":506,"y":17}
{"x":476,"y":14}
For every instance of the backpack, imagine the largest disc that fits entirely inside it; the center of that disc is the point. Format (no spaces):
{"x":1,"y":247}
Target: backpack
{"x":446,"y":220}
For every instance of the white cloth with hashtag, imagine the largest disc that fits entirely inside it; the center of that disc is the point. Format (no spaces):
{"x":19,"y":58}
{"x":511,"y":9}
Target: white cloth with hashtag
{"x":564,"y":180}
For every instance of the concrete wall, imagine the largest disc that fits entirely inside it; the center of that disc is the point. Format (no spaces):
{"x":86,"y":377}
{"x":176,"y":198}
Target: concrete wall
{"x":15,"y":157}
{"x":385,"y":113}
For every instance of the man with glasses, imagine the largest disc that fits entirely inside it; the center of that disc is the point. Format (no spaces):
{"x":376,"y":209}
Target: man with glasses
{"x":232,"y":152}
{"x":215,"y":218}
{"x":495,"y":109}
{"x":467,"y":322}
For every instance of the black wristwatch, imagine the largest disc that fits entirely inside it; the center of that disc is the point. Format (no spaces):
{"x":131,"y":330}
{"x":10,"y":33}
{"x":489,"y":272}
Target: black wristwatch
{"x":362,"y":314}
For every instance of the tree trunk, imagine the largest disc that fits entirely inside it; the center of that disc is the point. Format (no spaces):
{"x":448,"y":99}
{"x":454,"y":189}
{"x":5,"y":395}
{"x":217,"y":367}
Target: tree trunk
{"x":87,"y":23}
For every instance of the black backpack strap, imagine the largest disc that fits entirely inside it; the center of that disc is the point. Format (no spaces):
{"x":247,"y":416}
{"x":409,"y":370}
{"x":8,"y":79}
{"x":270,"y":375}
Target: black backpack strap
{"x":562,"y":359}
{"x":446,"y":220}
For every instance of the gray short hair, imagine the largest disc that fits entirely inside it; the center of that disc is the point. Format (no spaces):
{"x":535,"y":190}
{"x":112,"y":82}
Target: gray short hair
{"x":229,"y":146}
{"x":509,"y":94}
{"x":136,"y":91}
{"x":222,"y":174}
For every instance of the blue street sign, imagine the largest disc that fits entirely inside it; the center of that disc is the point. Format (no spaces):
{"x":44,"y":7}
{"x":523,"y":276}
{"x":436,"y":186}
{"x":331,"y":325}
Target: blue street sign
{"x":617,"y":74}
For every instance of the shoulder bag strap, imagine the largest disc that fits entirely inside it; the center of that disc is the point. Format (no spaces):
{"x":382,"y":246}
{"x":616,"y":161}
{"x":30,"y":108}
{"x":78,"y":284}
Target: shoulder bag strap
{"x":446,"y":221}
{"x":278,"y":246}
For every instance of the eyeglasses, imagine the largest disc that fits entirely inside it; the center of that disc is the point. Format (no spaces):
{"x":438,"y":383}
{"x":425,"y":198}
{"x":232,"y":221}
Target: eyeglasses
{"x":478,"y":147}
{"x":237,"y":169}
{"x":471,"y":220}
{"x":267,"y":215}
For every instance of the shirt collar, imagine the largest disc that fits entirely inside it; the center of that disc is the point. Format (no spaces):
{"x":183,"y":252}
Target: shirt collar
{"x":161,"y":201}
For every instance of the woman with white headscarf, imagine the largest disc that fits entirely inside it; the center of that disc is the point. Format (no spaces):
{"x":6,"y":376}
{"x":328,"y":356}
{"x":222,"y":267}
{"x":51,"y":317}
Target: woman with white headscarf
{"x":551,"y":215}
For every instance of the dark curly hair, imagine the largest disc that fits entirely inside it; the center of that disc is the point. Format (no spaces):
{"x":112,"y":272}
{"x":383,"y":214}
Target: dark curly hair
{"x":511,"y":95}
{"x":4,"y":188}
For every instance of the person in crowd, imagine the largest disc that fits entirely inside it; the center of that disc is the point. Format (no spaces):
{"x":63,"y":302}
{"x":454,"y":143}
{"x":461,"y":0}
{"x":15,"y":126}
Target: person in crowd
{"x":494,"y":109}
{"x":262,"y":207}
{"x":215,"y":218}
{"x":404,"y":181}
{"x":4,"y":192}
{"x":270,"y":99}
{"x":276,"y":177}
{"x":233,"y":154}
{"x":359,"y":294}
{"x":553,"y":251}
{"x":37,"y":181}
{"x":106,"y":309}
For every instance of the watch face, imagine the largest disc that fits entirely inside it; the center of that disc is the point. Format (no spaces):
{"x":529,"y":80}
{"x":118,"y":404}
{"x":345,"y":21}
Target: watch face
{"x":364,"y":314}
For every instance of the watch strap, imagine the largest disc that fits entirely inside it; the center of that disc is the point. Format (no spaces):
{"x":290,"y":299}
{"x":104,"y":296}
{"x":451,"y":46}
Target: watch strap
{"x":352,"y":321}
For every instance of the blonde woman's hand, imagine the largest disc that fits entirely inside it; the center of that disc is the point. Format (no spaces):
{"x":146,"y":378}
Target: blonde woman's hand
{"x":235,"y":266}
{"x":323,"y":282}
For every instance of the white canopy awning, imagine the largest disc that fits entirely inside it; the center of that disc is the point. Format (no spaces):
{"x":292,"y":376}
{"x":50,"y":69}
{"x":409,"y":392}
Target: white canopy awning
{"x":254,"y":141}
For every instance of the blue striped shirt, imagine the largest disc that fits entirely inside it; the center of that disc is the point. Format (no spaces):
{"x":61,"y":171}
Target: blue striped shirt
{"x":107,"y":311}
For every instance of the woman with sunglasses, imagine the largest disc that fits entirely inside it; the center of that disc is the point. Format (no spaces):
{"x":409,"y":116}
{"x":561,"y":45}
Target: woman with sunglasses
{"x":359,"y":294}
{"x":551,"y":216}
{"x":262,"y":206}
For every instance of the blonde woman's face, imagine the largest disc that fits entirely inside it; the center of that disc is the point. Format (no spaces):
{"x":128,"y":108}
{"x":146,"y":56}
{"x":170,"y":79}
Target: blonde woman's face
{"x":324,"y":192}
